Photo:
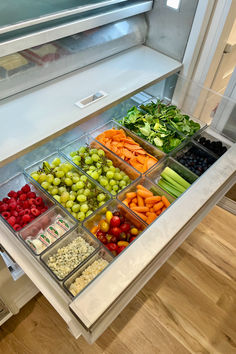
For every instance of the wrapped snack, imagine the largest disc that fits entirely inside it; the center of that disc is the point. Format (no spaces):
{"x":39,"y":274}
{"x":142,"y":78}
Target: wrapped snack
{"x":37,"y":245}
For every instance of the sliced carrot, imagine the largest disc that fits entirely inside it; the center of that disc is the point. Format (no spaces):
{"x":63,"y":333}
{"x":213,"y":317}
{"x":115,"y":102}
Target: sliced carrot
{"x":165,"y":201}
{"x":153,"y":199}
{"x":140,"y":209}
{"x":131,"y":195}
{"x":151,"y":217}
{"x":141,"y":215}
{"x":140,"y":200}
{"x":158,"y":206}
{"x":144,"y":193}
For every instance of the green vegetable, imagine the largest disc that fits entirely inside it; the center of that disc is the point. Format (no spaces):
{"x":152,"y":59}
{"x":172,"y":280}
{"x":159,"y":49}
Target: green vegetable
{"x":172,"y":182}
{"x":175,"y":176}
{"x":169,"y":188}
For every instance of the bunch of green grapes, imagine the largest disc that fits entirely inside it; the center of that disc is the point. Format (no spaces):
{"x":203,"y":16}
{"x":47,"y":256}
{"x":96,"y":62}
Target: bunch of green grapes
{"x":71,"y":189}
{"x":94,"y":162}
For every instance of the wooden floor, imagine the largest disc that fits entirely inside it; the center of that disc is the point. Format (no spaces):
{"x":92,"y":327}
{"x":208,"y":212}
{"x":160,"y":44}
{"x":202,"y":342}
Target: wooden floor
{"x":189,"y":306}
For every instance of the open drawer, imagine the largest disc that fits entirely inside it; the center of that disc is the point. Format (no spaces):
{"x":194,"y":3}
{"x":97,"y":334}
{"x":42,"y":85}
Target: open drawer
{"x":93,"y":309}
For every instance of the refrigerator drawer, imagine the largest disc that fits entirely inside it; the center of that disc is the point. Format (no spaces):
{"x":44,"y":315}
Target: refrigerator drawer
{"x":98,"y":304}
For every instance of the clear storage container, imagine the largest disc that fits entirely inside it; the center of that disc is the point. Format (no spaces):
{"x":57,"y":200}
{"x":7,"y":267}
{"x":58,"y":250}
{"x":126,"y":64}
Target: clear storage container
{"x":207,"y":136}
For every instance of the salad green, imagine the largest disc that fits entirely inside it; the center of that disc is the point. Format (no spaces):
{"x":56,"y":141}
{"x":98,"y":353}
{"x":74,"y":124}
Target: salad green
{"x":158,"y":123}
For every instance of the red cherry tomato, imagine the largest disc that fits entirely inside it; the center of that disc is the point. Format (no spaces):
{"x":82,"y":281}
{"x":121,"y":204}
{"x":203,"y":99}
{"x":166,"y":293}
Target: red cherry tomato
{"x":132,"y":239}
{"x":115,"y":221}
{"x":103,"y":239}
{"x":125,"y":227}
{"x":120,"y":249}
{"x":112,"y":246}
{"x":116,"y":231}
{"x":100,"y":233}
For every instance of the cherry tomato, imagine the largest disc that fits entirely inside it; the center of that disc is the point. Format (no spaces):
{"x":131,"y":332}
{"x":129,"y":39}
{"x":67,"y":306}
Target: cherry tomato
{"x":100,"y":233}
{"x":104,"y":226}
{"x":113,"y":239}
{"x":134,"y":231}
{"x":103,"y":239}
{"x":120,"y":249}
{"x":125,"y":227}
{"x":122,"y":236}
{"x":116,"y":231}
{"x":115,"y":221}
{"x":112,"y":246}
{"x":132,"y":239}
{"x":116,"y":213}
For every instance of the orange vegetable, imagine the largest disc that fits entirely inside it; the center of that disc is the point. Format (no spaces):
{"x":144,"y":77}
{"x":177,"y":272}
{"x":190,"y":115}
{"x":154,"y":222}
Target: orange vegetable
{"x":151,"y":217}
{"x":132,"y":205}
{"x":94,"y":230}
{"x":165,"y":201}
{"x":140,"y":209}
{"x":131,"y":195}
{"x":125,"y":201}
{"x":140,"y":200}
{"x":135,"y":200}
{"x":158,"y":206}
{"x":141,"y":215}
{"x":153,"y":199}
{"x":144,"y":194}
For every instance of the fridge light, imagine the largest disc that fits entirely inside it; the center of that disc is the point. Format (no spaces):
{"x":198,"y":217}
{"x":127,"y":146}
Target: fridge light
{"x":173,"y":3}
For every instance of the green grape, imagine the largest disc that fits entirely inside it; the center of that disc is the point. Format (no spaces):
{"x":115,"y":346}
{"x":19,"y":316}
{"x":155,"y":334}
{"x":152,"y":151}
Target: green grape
{"x":65,"y":197}
{"x":112,"y":169}
{"x":74,"y":214}
{"x":101,"y":152}
{"x":80,"y":191}
{"x":75,"y":208}
{"x":45,"y":185}
{"x":90,"y":173}
{"x":60,"y":174}
{"x":56,"y":181}
{"x":108,"y":188}
{"x":76,"y":160}
{"x":61,"y":190}
{"x":69,"y":204}
{"x":57,"y":197}
{"x":94,"y":175}
{"x":93,"y":151}
{"x":98,"y":164}
{"x":109,"y":162}
{"x":83,"y":178}
{"x":92,"y":168}
{"x":126,"y":178}
{"x":101,"y":203}
{"x":89,"y":185}
{"x":68,"y":167}
{"x":89,"y":212}
{"x":95,"y":158}
{"x":56,"y":162}
{"x":35,"y":176}
{"x":50,"y":178}
{"x":112,"y":182}
{"x":75,"y":179}
{"x":113,"y":192}
{"x":42,"y":178}
{"x":73,"y":153}
{"x":82,"y":150}
{"x":81,"y":198}
{"x":105,"y":169}
{"x":80,"y":184}
{"x":81,"y":216}
{"x":54,"y":191}
{"x":69,"y":174}
{"x":103,"y":182}
{"x":84,"y":207}
{"x":115,"y":187}
{"x":101,"y":197}
{"x":110,"y":174}
{"x":72,"y":197}
{"x":68,"y":181}
{"x":122,"y":183}
{"x":74,"y":187}
{"x":117,"y":176}
{"x":87,"y":192}
{"x":69,"y":209}
{"x":88,"y":161}
{"x":63,"y":204}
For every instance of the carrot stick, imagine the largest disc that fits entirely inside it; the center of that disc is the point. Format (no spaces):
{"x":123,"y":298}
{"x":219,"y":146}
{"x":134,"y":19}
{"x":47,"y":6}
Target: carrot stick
{"x":158,"y":206}
{"x":144,"y":194}
{"x":142,"y":216}
{"x":140,"y":209}
{"x":154,"y":199}
{"x":131,"y":195}
{"x":165,"y":201}
{"x":140,"y":200}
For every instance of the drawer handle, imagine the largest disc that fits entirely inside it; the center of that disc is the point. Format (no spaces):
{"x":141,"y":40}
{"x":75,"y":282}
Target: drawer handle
{"x":91,"y":99}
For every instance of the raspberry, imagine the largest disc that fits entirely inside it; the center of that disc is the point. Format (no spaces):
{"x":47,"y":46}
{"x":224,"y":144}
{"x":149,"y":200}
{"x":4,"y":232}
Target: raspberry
{"x":17,"y":227}
{"x":19,"y":193}
{"x":12,"y":194}
{"x":21,"y":212}
{"x":38,"y":201}
{"x":6,"y":200}
{"x":26,"y":204}
{"x":14,"y":213}
{"x":23,"y":197}
{"x":44,"y":209}
{"x":12,"y":205}
{"x":31,"y":195}
{"x":18,"y":208}
{"x":35,"y":212}
{"x":11,"y":220}
{"x":32,"y":201}
{"x":6,"y":214}
{"x":26,"y":188}
{"x":26,"y":218}
{"x":26,"y":211}
{"x":4,"y":207}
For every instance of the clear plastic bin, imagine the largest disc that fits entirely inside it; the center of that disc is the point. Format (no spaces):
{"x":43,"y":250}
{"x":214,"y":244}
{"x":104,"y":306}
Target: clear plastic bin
{"x":155,"y":174}
{"x":147,"y":183}
{"x":114,"y":205}
{"x":179,"y":153}
{"x":149,"y":148}
{"x":210,"y":137}
{"x":87,"y":140}
{"x":29,"y":170}
{"x":64,"y":241}
{"x":41,"y":224}
{"x":16,"y":183}
{"x":102,"y":253}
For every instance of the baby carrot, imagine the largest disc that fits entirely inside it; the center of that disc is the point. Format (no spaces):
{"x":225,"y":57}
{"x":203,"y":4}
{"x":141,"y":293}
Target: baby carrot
{"x":135,"y":200}
{"x":158,"y":212}
{"x":131,"y":195}
{"x":140,"y":200}
{"x":151,"y":217}
{"x":158,"y":206}
{"x":139,"y":186}
{"x":142,"y":216}
{"x":165,"y":201}
{"x":140,"y":209}
{"x":144,"y":194}
{"x":153,"y":199}
{"x":132,"y":205}
{"x":125,"y":201}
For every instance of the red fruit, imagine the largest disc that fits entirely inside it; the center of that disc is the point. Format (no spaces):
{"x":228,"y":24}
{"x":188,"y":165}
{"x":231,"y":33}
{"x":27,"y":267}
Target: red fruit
{"x":26,"y":204}
{"x":12,"y":205}
{"x":19,"y":193}
{"x":116,"y":213}
{"x":120,"y":249}
{"x":44,"y":209}
{"x":17,"y":227}
{"x":125,"y":227}
{"x":132,"y":239}
{"x":32,"y":201}
{"x":26,"y":218}
{"x":122,"y":236}
{"x":116,"y":231}
{"x":6,"y":200}
{"x":14,"y":213}
{"x":12,"y":194}
{"x":3,"y":207}
{"x":21,"y":212}
{"x":31,"y":195}
{"x":6,"y":214}
{"x":115,"y":221}
{"x":100,"y":233}
{"x":35,"y":212}
{"x":112,"y":246}
{"x":38,"y":201}
{"x":11,"y":220}
{"x":18,"y":219}
{"x":27,"y":212}
{"x":25,"y":188}
{"x":103,"y":239}
{"x":113,"y":239}
{"x":23,"y":197}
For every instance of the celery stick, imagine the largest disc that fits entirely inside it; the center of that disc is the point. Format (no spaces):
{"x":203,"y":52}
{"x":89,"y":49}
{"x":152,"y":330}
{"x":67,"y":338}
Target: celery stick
{"x":168,"y":188}
{"x":175,"y":184}
{"x":171,"y":173}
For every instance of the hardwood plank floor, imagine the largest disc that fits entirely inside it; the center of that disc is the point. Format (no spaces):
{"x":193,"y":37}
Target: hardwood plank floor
{"x":189,"y":306}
